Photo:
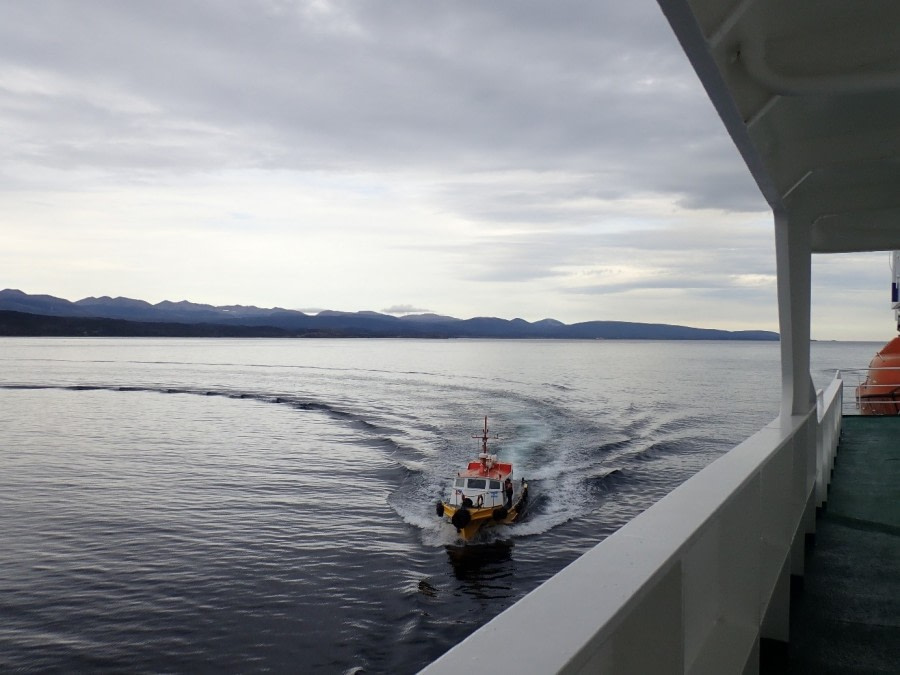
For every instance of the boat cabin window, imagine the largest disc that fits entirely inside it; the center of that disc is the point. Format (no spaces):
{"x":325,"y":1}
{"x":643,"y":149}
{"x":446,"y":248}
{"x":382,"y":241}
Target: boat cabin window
{"x":495,"y":485}
{"x":477,"y":483}
{"x":459,"y":482}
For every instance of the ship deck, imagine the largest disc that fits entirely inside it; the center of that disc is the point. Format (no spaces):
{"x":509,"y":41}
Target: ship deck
{"x":845,"y":615}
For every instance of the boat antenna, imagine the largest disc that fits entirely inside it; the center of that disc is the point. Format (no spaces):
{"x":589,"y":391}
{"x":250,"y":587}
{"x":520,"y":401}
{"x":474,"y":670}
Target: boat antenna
{"x":484,"y":437}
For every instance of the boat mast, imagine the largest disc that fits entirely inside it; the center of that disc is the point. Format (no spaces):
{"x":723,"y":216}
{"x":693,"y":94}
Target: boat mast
{"x":484,"y":437}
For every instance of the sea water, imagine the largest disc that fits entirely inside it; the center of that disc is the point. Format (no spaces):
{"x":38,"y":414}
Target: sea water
{"x":241,"y":505}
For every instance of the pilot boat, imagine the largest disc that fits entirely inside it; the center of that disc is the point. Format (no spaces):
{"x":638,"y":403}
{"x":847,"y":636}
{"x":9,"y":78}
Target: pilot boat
{"x":484,"y":493}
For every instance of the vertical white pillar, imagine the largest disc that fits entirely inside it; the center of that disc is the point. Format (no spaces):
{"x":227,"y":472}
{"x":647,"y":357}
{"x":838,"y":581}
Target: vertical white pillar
{"x":793,"y":254}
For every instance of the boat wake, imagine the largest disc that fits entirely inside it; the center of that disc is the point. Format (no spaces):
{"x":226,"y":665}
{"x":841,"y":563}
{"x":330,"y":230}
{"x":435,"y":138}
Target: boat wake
{"x":573,"y":464}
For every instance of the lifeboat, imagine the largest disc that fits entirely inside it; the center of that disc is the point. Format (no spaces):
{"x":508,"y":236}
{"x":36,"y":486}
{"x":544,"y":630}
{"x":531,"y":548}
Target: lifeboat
{"x":484,"y":493}
{"x":879,"y":394}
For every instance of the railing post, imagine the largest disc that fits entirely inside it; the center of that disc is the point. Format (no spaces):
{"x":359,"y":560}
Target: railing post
{"x":823,"y":435}
{"x":777,"y":619}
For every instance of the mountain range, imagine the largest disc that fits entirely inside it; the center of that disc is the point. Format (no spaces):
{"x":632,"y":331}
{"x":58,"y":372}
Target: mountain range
{"x":32,"y":315}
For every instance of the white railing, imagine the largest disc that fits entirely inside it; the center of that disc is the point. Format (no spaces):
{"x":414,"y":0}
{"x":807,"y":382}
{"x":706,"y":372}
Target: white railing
{"x":688,"y":586}
{"x":829,"y":409}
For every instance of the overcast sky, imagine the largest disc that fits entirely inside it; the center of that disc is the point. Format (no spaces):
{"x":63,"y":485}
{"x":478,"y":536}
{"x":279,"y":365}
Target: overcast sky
{"x":507,"y":158}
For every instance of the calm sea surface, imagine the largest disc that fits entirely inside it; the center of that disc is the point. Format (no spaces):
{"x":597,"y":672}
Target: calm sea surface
{"x":248,"y":505}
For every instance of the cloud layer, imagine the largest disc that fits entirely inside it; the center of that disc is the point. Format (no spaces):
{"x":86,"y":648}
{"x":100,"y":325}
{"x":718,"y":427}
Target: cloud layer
{"x":509,"y":158}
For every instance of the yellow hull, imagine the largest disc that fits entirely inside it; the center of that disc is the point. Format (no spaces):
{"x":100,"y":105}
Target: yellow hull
{"x":484,"y":516}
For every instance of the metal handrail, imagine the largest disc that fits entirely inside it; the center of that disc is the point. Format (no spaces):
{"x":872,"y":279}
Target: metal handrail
{"x":883,"y":394}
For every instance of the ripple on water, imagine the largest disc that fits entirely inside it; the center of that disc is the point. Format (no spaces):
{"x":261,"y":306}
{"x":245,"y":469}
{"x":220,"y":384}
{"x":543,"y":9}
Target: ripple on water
{"x":193,"y":505}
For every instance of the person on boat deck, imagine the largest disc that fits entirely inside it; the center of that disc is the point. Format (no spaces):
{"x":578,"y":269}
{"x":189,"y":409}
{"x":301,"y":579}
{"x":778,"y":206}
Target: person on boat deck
{"x":463,"y":500}
{"x":508,"y":489}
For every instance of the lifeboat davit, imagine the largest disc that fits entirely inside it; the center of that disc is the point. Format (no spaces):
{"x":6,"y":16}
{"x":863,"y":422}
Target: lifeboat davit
{"x":879,"y":394}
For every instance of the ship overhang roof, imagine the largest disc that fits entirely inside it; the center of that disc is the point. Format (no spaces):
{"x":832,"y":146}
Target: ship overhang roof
{"x":812,"y":101}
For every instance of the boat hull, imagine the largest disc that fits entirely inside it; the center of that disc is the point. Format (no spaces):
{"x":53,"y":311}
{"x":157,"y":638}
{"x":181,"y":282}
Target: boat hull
{"x":485,"y":516}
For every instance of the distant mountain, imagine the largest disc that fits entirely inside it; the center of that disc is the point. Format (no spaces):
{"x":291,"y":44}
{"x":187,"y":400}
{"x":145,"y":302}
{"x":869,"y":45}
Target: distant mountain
{"x":37,"y":325}
{"x":18,"y":301}
{"x":434,"y":318}
{"x":23,"y":314}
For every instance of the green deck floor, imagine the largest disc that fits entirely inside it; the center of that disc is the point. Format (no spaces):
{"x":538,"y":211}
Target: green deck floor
{"x":846,"y":616}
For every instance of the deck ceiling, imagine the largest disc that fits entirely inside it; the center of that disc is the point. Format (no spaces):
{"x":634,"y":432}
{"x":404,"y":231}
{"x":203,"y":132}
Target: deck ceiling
{"x":810,"y":93}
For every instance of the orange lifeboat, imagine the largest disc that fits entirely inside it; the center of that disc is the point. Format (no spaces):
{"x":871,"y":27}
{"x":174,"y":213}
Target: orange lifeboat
{"x":879,"y":394}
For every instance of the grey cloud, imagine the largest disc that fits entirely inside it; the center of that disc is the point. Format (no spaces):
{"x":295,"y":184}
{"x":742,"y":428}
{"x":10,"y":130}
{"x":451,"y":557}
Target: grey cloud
{"x":712,"y":284}
{"x":600,"y":89}
{"x":654,"y":283}
{"x":406,"y":309}
{"x":718,"y":254}
{"x":849,"y":273}
{"x":520,"y":258}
